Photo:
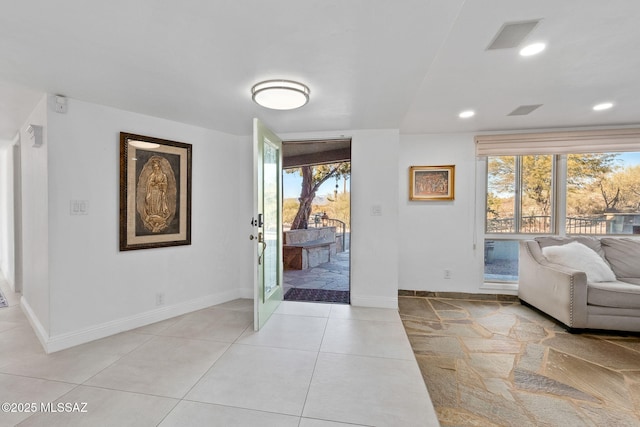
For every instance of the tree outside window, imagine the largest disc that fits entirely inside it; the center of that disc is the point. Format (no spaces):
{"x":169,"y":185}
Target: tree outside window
{"x":601,"y":193}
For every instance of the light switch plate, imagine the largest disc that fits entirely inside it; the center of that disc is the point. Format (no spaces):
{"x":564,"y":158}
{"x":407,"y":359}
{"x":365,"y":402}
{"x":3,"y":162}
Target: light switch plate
{"x":79,"y":207}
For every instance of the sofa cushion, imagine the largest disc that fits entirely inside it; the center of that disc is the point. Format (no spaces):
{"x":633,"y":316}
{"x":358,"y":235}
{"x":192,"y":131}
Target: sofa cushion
{"x":613,"y":294}
{"x":588,"y":241}
{"x":623,"y":254}
{"x":579,"y":257}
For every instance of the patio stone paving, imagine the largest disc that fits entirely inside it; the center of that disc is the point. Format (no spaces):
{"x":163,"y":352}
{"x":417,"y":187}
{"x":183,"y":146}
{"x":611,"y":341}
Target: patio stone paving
{"x":498,"y":363}
{"x":332,"y":275}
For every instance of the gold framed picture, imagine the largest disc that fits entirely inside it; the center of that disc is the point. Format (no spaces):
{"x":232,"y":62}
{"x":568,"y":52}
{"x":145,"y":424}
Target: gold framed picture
{"x":432,"y":182}
{"x":155,"y":192}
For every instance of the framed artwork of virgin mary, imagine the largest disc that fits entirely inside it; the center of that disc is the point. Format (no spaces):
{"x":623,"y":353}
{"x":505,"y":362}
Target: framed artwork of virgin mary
{"x":155,"y":192}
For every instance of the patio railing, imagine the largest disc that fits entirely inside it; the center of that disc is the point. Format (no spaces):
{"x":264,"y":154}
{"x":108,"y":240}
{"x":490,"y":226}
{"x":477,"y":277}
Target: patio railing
{"x":542,"y":224}
{"x":343,"y":228}
{"x":318,"y":220}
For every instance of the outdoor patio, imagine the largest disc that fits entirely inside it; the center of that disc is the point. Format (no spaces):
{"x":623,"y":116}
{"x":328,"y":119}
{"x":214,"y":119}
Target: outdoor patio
{"x":329,"y":276}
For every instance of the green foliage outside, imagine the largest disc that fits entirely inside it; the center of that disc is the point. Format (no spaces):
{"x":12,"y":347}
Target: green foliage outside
{"x":596,"y":184}
{"x":312,"y":178}
{"x":340,"y":209}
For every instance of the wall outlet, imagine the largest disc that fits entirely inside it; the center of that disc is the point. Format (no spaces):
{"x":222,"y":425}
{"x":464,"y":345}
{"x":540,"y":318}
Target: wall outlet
{"x":447,"y":274}
{"x":160,"y":298}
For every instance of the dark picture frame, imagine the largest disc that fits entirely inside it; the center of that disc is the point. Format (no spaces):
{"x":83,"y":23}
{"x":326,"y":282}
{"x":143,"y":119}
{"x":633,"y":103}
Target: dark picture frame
{"x":155,"y":192}
{"x":432,"y":182}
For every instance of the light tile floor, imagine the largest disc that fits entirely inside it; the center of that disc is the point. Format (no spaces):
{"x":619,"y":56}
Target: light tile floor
{"x":312,"y":365}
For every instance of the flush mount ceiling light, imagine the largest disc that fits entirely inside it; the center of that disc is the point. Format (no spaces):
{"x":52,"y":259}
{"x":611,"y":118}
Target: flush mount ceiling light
{"x":280,"y":94}
{"x":532,"y":49}
{"x":467,"y":114}
{"x":603,"y":106}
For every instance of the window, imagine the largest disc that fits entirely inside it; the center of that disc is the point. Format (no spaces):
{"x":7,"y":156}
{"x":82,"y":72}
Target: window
{"x":599,"y":194}
{"x":501,"y":260}
{"x":519,"y":201}
{"x":603,"y":193}
{"x":562,"y":183}
{"x":519,"y":194}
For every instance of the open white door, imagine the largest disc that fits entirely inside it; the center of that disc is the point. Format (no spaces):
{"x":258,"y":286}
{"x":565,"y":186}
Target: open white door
{"x":267,"y":223}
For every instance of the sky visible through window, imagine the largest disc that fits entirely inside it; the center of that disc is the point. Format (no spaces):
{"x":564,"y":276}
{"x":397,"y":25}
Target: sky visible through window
{"x":629,"y":159}
{"x":292,"y":182}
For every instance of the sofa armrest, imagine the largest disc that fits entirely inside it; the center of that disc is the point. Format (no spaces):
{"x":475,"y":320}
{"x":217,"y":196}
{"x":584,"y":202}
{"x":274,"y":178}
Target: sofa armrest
{"x":559,"y":291}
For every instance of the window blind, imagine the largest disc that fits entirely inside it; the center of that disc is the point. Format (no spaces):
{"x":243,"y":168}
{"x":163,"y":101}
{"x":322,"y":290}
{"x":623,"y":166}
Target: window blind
{"x":593,"y":141}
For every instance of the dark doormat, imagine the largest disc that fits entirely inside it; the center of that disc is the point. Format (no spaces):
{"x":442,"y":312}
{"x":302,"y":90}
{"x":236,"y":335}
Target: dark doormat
{"x":3,"y":301}
{"x":317,"y":295}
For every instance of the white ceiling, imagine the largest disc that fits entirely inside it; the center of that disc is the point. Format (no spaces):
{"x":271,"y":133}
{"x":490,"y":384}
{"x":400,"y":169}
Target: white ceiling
{"x":407,"y":64}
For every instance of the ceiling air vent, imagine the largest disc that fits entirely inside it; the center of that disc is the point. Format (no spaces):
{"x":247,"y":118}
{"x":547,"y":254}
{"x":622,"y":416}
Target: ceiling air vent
{"x":523,"y":110}
{"x":512,"y":34}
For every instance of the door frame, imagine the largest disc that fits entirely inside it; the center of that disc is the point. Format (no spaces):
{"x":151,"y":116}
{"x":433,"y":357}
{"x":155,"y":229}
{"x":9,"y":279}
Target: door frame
{"x":339,"y":154}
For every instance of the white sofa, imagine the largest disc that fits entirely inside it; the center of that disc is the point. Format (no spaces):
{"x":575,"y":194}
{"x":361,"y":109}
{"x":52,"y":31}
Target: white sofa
{"x":565,"y":293}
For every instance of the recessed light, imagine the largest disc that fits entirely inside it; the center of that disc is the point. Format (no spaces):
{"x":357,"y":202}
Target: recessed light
{"x":280,"y":94}
{"x":532,"y":49}
{"x":603,"y":106}
{"x":467,"y":114}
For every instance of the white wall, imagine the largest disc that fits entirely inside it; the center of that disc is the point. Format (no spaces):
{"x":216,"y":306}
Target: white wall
{"x":35,"y":225}
{"x":6,"y":213}
{"x":374,"y":238}
{"x":94,"y":289}
{"x":435,"y":236}
{"x":9,"y":201}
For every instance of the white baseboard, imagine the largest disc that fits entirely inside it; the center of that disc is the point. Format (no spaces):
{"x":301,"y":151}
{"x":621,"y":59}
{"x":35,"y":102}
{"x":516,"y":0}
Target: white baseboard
{"x":82,"y":336}
{"x":39,"y":330}
{"x":377,"y":302}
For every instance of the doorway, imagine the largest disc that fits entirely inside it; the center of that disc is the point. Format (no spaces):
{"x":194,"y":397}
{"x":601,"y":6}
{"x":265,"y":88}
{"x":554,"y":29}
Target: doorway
{"x":317,"y":220}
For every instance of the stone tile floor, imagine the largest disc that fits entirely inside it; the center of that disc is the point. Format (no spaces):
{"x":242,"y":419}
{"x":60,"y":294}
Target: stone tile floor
{"x":499,"y":363}
{"x":332,"y":275}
